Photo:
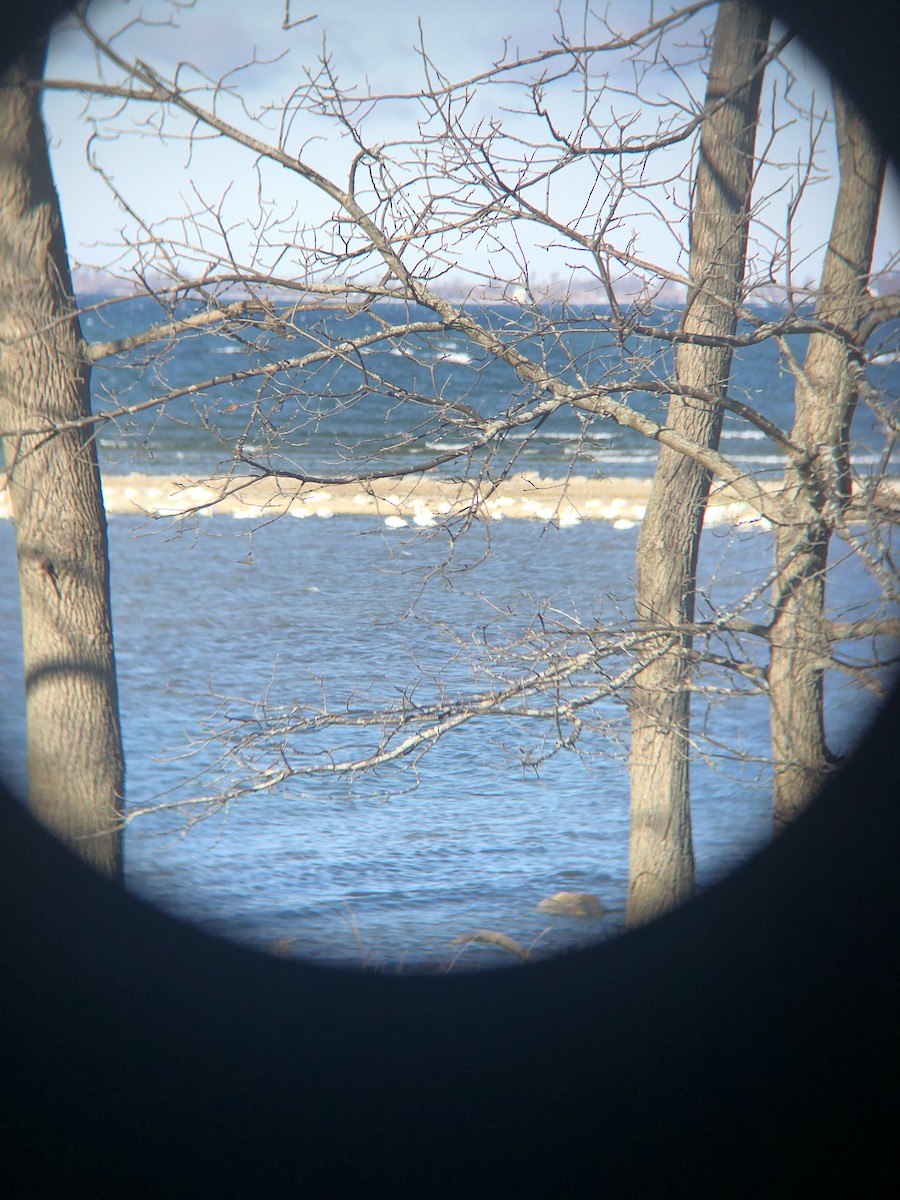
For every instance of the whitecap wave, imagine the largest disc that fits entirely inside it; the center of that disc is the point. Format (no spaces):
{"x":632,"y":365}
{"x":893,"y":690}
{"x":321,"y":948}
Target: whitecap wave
{"x":563,"y":436}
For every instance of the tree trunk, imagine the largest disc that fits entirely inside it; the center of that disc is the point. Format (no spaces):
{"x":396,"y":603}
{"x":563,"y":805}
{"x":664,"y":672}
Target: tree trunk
{"x":824,"y":403}
{"x":661,"y":850}
{"x":75,"y":759}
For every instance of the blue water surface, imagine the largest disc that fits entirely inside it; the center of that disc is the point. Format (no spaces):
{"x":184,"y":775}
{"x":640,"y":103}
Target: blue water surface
{"x":388,"y":871}
{"x":390,"y":868}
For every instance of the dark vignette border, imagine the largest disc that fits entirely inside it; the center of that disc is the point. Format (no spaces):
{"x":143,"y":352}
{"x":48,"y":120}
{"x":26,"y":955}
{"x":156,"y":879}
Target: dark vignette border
{"x":746,"y":1045}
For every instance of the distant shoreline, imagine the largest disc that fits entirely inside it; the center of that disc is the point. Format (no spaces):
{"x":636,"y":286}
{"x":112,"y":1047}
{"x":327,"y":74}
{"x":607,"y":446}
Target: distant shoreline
{"x":580,"y":291}
{"x":410,"y":500}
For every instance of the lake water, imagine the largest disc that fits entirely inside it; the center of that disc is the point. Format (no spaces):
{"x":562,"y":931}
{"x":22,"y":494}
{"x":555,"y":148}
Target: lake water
{"x":391,"y":868}
{"x":367,"y":410}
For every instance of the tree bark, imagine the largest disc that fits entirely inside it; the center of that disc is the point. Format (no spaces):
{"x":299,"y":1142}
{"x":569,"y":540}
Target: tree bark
{"x":661,"y":849}
{"x":824,"y":403}
{"x":75,"y":758}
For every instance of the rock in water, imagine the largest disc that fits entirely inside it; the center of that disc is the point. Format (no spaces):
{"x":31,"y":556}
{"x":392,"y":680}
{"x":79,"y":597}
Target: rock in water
{"x":572,"y":904}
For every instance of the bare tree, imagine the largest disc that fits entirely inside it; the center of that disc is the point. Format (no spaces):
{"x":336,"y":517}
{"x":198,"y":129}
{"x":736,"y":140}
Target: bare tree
{"x":818,"y":485}
{"x":75,"y":758}
{"x":661,"y":857}
{"x":352,"y":272}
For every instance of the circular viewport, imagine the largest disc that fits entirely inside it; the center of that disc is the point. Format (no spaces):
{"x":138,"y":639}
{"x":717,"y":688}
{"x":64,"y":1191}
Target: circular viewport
{"x":495,"y":427}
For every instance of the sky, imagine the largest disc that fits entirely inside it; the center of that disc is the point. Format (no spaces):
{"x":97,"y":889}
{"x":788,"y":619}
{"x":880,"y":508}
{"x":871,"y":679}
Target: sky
{"x":374,"y":43}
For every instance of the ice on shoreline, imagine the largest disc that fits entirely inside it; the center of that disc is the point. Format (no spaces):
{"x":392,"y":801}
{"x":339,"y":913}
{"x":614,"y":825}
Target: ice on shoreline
{"x":403,"y":501}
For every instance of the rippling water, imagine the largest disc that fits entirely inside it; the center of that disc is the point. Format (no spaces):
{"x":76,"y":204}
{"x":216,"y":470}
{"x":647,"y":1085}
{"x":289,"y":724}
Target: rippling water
{"x":351,"y":873}
{"x":333,"y":421}
{"x":385,"y":871}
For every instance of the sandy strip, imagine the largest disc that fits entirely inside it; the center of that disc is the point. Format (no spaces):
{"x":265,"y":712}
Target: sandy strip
{"x":401,"y":501}
{"x":405,"y":501}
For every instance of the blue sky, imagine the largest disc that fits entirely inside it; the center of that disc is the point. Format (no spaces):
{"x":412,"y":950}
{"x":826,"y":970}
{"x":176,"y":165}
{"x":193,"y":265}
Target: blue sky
{"x":367,"y":41}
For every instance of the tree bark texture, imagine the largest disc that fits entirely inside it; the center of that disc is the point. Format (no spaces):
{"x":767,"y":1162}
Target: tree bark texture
{"x":661,"y":849}
{"x":824,"y":402}
{"x":75,"y":758}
